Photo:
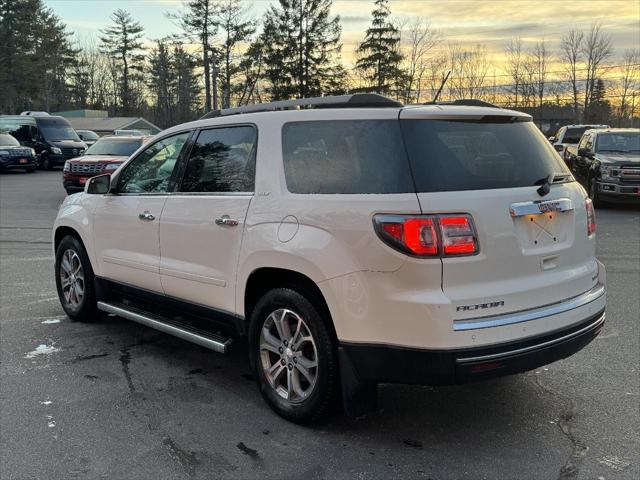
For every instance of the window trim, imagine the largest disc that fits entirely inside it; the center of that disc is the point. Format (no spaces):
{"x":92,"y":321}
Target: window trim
{"x":115,"y":180}
{"x":182,"y":168}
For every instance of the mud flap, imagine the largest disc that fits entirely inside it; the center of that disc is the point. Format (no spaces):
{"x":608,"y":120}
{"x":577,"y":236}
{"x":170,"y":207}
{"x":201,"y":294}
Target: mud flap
{"x":359,"y":396}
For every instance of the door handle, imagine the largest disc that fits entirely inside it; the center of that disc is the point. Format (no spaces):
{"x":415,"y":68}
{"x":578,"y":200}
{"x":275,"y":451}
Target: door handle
{"x":146,"y":216}
{"x":226,"y":220}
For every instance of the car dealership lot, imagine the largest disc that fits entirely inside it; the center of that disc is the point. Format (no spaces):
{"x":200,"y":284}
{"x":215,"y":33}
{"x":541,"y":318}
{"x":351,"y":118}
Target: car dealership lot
{"x":113,"y":399}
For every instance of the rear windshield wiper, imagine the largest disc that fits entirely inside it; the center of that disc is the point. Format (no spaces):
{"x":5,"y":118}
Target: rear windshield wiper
{"x":545,"y":182}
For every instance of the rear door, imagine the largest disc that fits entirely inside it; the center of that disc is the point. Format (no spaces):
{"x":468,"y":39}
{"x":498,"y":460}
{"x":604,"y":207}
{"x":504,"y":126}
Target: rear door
{"x":492,"y":168}
{"x":202,"y":223}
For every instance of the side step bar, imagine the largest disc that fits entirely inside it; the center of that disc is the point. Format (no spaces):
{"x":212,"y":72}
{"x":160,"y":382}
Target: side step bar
{"x":186,"y":332}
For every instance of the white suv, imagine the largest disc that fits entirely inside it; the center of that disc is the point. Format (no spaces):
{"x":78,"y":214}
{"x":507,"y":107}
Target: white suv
{"x":353,"y":240}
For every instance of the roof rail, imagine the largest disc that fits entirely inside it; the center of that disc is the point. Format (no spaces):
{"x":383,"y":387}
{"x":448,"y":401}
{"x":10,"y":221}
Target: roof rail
{"x":468,"y":102}
{"x":356,"y":100}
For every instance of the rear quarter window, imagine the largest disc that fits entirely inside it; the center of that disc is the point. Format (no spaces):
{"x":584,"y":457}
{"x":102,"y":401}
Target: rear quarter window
{"x":466,"y":155}
{"x":342,"y":157}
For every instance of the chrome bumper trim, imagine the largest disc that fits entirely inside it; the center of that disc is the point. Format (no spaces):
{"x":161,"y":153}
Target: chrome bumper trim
{"x":599,"y":321}
{"x":534,"y":208}
{"x":534,"y":314}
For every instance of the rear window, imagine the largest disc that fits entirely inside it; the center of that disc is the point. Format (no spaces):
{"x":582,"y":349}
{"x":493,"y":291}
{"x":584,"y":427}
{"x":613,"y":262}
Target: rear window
{"x":573,"y":135}
{"x":462,"y":155}
{"x":348,"y":156}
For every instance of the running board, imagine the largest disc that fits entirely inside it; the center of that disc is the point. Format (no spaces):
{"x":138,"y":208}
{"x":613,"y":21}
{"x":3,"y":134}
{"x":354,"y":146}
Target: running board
{"x":178,"y":329}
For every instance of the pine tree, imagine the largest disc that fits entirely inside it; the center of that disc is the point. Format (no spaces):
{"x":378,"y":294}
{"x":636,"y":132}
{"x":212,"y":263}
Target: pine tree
{"x":187,"y":87}
{"x":122,"y":42}
{"x":378,"y":55}
{"x":235,"y":26}
{"x":161,"y":83}
{"x":198,"y":22}
{"x":301,"y":41}
{"x":599,"y":106}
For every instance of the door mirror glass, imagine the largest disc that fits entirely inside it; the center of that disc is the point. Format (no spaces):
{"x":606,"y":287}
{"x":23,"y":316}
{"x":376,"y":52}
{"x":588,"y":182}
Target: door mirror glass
{"x":98,"y":185}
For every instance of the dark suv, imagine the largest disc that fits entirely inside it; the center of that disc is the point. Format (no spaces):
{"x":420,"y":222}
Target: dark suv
{"x":57,"y":142}
{"x":14,"y":156}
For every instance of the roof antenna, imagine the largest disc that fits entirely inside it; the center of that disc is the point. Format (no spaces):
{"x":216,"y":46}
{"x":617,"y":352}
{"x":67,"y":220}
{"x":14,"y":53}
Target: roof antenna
{"x":435,"y":99}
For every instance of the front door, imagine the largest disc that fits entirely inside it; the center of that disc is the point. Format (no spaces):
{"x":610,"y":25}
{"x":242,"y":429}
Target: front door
{"x":126,"y":230}
{"x":202,"y":223}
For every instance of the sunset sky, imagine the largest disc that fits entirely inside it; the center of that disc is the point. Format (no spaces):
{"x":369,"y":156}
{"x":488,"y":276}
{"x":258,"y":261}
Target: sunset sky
{"x":490,"y":22}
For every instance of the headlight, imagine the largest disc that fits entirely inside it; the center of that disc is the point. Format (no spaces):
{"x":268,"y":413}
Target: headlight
{"x":33,"y":152}
{"x":607,"y":171}
{"x":56,"y":150}
{"x":67,"y":166}
{"x":112,"y":166}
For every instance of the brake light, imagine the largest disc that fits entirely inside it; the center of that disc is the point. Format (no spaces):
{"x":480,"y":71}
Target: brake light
{"x":591,"y":217}
{"x":428,"y":235}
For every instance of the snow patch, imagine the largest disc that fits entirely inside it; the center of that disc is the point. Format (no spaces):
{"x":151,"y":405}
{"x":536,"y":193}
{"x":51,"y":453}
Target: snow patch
{"x":42,"y":350}
{"x":50,"y":321}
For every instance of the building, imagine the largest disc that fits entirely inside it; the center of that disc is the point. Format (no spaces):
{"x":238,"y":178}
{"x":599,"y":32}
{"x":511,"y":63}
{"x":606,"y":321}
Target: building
{"x":100,"y":122}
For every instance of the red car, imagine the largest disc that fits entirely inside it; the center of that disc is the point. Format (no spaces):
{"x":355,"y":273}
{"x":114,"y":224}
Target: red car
{"x":104,"y":156}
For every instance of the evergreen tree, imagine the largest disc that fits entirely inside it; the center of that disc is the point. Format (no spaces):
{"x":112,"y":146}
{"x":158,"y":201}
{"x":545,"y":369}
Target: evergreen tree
{"x":379,"y":56}
{"x":301,"y":41}
{"x":198,"y":22}
{"x":187,"y":88}
{"x":35,"y":57}
{"x":161,"y":83}
{"x":599,"y":106}
{"x":122,"y":42}
{"x":235,"y":26}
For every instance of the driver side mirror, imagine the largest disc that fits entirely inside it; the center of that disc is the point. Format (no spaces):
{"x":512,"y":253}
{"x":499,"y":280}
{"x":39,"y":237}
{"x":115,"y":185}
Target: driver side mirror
{"x":98,"y":185}
{"x":584,"y":152}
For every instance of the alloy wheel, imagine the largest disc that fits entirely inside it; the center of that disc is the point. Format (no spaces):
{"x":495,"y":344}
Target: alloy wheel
{"x":288,"y":355}
{"x":72,"y":279}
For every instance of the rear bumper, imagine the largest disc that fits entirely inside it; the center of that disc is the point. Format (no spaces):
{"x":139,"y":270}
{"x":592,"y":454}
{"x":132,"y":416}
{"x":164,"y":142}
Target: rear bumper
{"x":390,"y":364}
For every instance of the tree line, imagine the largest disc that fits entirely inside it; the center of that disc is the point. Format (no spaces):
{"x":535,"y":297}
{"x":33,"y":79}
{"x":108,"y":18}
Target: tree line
{"x":223,"y":56}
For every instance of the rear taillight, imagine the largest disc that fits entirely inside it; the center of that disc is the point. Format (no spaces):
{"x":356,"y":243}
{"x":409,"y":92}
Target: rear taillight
{"x":591,"y":217}
{"x":428,"y":235}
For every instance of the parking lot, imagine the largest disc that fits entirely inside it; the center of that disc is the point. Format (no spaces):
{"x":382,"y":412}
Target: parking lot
{"x":113,"y":399}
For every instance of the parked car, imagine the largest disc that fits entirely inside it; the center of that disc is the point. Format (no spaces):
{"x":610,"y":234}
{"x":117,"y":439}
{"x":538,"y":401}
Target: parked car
{"x":570,"y":135}
{"x":52,"y":137}
{"x":104,"y":156}
{"x":129,"y":133}
{"x":607,"y":162}
{"x":87,"y":136}
{"x":14,"y":156}
{"x":352,"y":244}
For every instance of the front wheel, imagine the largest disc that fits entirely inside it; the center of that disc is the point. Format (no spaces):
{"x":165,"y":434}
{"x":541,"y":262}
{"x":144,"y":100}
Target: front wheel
{"x":293,"y":356}
{"x":75,"y":280}
{"x":46,"y":163}
{"x":593,"y":193}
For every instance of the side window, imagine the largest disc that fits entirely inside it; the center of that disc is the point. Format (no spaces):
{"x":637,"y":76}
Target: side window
{"x":583,"y":141}
{"x":151,"y":170}
{"x":349,"y":156}
{"x":222,"y":160}
{"x":589,"y":142}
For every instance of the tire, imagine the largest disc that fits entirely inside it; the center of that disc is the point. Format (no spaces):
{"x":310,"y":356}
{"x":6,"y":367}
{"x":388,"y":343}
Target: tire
{"x":593,"y":193}
{"x":46,"y":163}
{"x":31,"y":170}
{"x":77,"y":296}
{"x":295,"y":396}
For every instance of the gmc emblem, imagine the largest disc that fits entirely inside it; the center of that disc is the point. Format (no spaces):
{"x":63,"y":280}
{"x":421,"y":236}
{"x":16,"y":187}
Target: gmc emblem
{"x":479,"y":306}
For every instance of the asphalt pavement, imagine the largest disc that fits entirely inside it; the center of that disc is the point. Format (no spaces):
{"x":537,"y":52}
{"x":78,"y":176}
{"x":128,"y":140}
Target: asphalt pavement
{"x":116,"y":400}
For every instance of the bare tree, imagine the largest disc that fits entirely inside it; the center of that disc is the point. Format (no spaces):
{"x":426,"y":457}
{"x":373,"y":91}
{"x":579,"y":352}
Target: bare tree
{"x":420,"y":39}
{"x":571,"y":55}
{"x":469,"y":67}
{"x":597,"y":47}
{"x":515,"y":64}
{"x":628,"y":83}
{"x":540,"y":60}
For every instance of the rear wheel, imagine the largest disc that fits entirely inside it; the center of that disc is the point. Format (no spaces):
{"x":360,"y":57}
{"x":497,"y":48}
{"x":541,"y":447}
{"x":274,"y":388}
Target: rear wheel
{"x":75,"y":280}
{"x":293,"y":356}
